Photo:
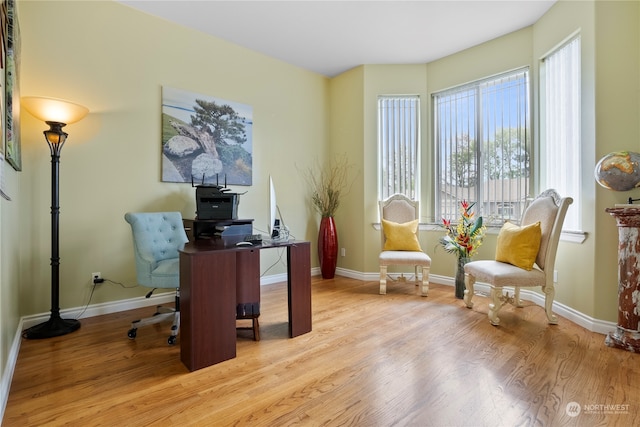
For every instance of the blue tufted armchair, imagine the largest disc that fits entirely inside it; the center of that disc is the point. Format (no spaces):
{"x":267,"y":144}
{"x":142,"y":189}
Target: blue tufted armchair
{"x":157,"y":237}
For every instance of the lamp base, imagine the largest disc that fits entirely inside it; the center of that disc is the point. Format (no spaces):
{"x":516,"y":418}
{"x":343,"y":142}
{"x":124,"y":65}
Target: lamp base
{"x":54,"y":327}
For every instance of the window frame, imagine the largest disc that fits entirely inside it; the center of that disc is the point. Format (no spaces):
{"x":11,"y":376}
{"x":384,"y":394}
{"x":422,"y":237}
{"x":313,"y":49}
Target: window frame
{"x":481,"y":148}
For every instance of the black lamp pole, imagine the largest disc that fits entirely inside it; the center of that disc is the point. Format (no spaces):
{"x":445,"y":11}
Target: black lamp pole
{"x":56,"y":325}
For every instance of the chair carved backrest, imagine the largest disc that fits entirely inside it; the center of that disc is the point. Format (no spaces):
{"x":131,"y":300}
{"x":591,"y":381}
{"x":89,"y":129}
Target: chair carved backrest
{"x":157,"y":236}
{"x":550,"y":209}
{"x":398,"y":208}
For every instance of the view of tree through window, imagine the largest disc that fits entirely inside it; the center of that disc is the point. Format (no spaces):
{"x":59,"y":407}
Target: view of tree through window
{"x":482,"y":140}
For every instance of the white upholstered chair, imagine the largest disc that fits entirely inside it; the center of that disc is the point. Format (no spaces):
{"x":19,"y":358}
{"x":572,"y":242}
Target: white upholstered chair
{"x":549,"y":209}
{"x":399,"y":232}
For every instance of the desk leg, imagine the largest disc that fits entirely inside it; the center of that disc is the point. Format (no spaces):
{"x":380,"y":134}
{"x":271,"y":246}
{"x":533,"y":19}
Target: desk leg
{"x":299,"y":288}
{"x":248,"y":288}
{"x":207,"y":308}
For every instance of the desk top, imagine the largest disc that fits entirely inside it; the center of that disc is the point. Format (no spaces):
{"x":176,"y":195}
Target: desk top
{"x":223,"y":221}
{"x":229,"y":243}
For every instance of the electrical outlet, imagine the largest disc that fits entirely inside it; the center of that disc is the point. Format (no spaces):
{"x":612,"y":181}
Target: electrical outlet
{"x":555,"y":276}
{"x":343,"y":252}
{"x":95,"y":276}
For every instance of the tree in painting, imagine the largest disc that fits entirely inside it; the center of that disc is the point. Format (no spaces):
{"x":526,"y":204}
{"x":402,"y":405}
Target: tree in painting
{"x":208,"y":146}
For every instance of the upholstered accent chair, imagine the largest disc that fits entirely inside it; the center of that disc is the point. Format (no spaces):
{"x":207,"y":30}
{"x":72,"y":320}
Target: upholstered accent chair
{"x":157,"y":238}
{"x":525,"y":256}
{"x":400,"y":246}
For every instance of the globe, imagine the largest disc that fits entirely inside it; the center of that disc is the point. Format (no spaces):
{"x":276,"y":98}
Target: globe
{"x":619,"y":171}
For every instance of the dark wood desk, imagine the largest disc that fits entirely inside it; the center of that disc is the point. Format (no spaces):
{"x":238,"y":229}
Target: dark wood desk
{"x":210,"y":274}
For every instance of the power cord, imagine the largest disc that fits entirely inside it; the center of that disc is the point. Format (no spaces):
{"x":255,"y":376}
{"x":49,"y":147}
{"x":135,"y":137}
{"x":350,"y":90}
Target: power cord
{"x":102,"y":279}
{"x":96,"y":282}
{"x":93,"y":288}
{"x":278,"y":261}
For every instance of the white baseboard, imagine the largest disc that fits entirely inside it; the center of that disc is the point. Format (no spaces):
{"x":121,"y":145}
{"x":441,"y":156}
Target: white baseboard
{"x":101,"y":308}
{"x":7,"y":373}
{"x":581,"y":319}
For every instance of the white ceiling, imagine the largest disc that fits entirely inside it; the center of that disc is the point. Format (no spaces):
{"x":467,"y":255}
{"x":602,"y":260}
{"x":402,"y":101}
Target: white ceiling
{"x":330,"y":36}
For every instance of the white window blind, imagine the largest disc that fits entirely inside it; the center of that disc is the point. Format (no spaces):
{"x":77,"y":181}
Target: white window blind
{"x":482,"y":138}
{"x":561,"y":127}
{"x":398,"y":142}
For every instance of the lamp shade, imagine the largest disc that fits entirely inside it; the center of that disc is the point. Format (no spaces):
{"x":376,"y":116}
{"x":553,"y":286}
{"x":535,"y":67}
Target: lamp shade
{"x":53,"y":110}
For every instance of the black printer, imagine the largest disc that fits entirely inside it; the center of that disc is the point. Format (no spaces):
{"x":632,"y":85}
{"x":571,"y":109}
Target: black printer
{"x":214,"y":202}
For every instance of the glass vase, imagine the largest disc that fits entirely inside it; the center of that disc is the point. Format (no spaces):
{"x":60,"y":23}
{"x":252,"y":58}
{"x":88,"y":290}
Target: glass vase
{"x":460,"y":287}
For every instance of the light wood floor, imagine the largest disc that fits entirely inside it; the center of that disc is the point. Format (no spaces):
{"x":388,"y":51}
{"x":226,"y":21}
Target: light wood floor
{"x":371,"y":360}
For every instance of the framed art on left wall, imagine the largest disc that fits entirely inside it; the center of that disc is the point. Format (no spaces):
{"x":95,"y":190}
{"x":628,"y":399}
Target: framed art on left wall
{"x":11,"y":87}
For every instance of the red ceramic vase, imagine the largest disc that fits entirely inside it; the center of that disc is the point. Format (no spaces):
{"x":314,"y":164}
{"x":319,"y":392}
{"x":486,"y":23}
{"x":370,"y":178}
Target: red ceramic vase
{"x":328,"y":247}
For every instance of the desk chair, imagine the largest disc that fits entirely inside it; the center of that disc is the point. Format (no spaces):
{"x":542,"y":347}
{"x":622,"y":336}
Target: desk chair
{"x":399,"y":232}
{"x":157,"y":237}
{"x":525,"y":256}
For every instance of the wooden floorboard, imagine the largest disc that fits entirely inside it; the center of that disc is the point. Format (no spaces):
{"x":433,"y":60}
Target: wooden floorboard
{"x":371,"y":360}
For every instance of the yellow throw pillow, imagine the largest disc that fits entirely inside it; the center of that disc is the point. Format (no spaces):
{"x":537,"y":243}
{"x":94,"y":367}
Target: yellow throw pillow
{"x":401,"y":237}
{"x":519,"y":246}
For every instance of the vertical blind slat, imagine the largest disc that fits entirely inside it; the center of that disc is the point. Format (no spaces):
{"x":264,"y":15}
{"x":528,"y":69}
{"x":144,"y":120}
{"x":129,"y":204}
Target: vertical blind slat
{"x":562,"y":118}
{"x":398,"y":131}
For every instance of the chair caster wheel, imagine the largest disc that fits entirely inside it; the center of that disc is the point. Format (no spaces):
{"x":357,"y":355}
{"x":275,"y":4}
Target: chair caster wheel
{"x":171,"y":340}
{"x":132,"y":333}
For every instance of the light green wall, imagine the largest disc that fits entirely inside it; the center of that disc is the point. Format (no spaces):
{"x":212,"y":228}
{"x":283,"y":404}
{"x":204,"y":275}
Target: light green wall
{"x":386,"y":80}
{"x":610,"y":115}
{"x":346,"y":138}
{"x":617,"y":114}
{"x":487,"y":59}
{"x":576,"y":285}
{"x":115,"y":60}
{"x":609,"y":75}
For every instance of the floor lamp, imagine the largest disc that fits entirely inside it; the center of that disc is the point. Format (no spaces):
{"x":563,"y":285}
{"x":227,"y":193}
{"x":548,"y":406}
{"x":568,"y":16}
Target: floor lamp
{"x":57,"y":114}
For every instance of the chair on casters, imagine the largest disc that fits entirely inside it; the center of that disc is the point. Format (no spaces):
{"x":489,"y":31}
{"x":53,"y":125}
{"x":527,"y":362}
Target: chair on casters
{"x":400,"y":246}
{"x":157,"y":237}
{"x":525,"y":256}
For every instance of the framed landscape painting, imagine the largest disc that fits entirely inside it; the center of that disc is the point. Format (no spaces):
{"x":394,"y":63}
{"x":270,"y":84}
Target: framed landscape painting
{"x":205,"y":140}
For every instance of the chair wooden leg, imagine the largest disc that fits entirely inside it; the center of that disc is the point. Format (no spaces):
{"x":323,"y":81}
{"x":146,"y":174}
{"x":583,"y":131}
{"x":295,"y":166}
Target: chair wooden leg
{"x":550,"y":294}
{"x":469,"y":281}
{"x":256,"y":329}
{"x":495,"y":306}
{"x":516,"y":298}
{"x":383,"y":279}
{"x":425,"y":281}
